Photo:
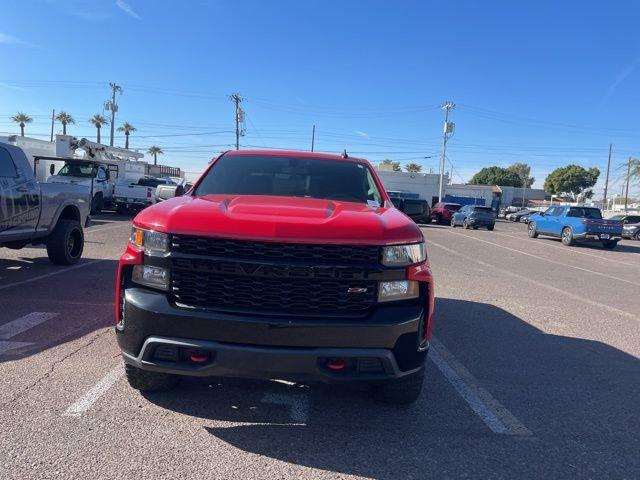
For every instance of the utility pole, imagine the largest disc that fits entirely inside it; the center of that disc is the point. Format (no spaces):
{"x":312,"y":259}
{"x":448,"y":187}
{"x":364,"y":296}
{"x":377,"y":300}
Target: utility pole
{"x":626,"y":195}
{"x":448,"y":129}
{"x":237,"y":99}
{"x":313,"y":137}
{"x":53,"y":119}
{"x":606,"y":181}
{"x":113,"y":107}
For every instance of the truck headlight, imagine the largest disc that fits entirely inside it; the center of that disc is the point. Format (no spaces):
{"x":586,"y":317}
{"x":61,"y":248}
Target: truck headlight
{"x":404,"y":255}
{"x":397,"y":290}
{"x":154,"y":277}
{"x":154,"y":244}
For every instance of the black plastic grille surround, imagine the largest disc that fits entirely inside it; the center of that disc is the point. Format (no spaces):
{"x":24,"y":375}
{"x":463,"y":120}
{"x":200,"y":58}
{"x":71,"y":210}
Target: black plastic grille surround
{"x":265,"y":278}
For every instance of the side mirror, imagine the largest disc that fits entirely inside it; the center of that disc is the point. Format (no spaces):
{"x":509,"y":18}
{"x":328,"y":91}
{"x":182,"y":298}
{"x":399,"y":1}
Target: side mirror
{"x":179,"y":191}
{"x":52,"y":169}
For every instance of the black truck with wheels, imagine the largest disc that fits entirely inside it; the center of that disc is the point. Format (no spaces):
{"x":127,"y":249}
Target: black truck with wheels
{"x":34,"y":213}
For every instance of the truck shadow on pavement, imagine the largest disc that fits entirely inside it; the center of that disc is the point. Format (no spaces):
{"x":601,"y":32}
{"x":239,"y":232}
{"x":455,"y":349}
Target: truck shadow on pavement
{"x":578,"y":397}
{"x":79,"y":307}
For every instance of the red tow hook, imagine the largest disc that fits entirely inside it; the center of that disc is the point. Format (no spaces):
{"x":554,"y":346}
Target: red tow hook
{"x":199,"y":357}
{"x":336,"y":364}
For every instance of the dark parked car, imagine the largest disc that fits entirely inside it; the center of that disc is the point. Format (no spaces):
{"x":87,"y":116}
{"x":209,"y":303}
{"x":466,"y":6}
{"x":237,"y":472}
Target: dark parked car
{"x":474,"y":216}
{"x":630,"y":225}
{"x":625,"y":219}
{"x":442,"y":211}
{"x":414,"y":208}
{"x":631,"y":230}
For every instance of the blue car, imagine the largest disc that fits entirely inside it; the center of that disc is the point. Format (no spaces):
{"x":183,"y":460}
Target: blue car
{"x":474,"y":216}
{"x":572,"y":224}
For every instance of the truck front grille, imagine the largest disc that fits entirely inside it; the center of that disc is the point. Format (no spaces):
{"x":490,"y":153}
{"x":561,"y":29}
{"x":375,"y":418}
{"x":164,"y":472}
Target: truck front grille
{"x":229,"y":275}
{"x":317,"y":254}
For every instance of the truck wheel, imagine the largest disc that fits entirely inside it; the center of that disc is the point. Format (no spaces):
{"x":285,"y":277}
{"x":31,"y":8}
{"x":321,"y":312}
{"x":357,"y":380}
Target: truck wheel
{"x":610,"y":244}
{"x":403,"y":391}
{"x":439,"y":219}
{"x":65,"y":245}
{"x":490,"y":227}
{"x":453,"y":222}
{"x":465,"y":224}
{"x":149,"y":381}
{"x":97,"y":203}
{"x":121,"y":209}
{"x":637,"y":235}
{"x":567,"y":237}
{"x":532,"y":231}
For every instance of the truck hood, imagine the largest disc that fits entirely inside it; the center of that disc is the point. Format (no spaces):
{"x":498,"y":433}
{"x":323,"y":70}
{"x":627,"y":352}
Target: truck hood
{"x":282,"y":219}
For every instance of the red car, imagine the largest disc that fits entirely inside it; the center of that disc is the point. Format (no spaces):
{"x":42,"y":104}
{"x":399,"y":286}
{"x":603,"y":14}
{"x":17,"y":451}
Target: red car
{"x":443,"y":211}
{"x":277,"y":264}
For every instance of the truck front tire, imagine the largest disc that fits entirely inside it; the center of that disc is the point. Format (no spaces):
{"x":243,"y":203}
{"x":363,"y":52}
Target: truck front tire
{"x":149,"y":381}
{"x":65,"y":245}
{"x":402,"y":391}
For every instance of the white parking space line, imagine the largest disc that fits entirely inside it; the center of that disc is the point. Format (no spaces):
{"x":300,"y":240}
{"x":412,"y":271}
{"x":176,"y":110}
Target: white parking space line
{"x":544,"y":259}
{"x":298,"y":404}
{"x":85,"y":402}
{"x":8,"y":346}
{"x":539,"y":284}
{"x":51,"y":274}
{"x":490,"y":410}
{"x":551,"y":244}
{"x":22,"y":324}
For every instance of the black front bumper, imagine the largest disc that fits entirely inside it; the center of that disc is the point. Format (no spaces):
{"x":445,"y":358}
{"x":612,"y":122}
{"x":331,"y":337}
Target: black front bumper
{"x":157,"y":336}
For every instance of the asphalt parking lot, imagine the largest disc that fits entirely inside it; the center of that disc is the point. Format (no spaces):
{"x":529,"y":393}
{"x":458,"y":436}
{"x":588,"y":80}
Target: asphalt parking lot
{"x":534,"y":373}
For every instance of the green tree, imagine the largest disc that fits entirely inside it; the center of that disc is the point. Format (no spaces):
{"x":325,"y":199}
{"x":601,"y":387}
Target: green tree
{"x":155,"y":151}
{"x":395,"y":166}
{"x":127,"y":128}
{"x":21,"y":119}
{"x":413,"y":168}
{"x":523,"y":171}
{"x":98,"y":121}
{"x":572,"y":180}
{"x":496,"y":176}
{"x":65,"y":119}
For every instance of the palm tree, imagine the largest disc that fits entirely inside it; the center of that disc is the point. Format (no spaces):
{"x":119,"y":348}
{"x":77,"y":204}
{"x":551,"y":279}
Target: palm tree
{"x":98,"y":121}
{"x":127,"y":128}
{"x":155,"y":151}
{"x":22,"y":119}
{"x":65,"y":119}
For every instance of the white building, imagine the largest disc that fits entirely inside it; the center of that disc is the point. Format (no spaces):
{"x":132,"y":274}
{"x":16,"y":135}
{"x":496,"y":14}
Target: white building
{"x":425,"y":185}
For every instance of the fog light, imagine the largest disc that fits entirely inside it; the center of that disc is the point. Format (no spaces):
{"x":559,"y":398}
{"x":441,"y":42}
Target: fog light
{"x":397,"y":290}
{"x":155,"y":277}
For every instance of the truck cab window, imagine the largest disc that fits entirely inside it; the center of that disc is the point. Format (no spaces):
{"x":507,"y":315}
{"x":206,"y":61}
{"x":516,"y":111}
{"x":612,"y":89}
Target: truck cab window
{"x":7,"y":168}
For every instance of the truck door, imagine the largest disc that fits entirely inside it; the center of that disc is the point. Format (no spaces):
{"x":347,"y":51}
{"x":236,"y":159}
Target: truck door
{"x":19,"y":199}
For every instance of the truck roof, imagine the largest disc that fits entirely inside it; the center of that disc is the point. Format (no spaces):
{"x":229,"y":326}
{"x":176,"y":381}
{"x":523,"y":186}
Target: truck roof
{"x":296,"y":154}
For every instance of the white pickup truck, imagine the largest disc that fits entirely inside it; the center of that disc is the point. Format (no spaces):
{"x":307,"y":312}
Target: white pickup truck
{"x":136,"y":195}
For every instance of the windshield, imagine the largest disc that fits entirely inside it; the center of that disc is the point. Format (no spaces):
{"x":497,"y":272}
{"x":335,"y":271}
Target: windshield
{"x":453,"y":207}
{"x":590,"y":213}
{"x":482,"y":209}
{"x":76,"y":170}
{"x":290,"y":177}
{"x":617,"y":217}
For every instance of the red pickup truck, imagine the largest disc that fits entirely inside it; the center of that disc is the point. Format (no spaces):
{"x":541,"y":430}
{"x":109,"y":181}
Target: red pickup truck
{"x":277,"y":264}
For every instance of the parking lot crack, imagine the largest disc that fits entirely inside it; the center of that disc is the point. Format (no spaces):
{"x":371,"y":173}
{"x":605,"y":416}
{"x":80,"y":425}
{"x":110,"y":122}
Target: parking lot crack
{"x":54,"y":366}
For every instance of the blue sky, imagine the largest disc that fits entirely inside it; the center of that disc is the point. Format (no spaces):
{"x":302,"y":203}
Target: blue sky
{"x":547,"y":83}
